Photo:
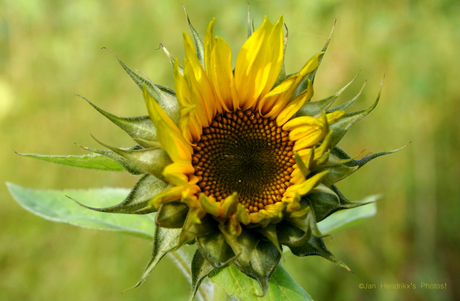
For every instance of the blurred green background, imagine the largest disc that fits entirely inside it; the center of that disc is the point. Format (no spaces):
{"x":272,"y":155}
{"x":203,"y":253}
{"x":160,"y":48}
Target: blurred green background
{"x":49,"y":50}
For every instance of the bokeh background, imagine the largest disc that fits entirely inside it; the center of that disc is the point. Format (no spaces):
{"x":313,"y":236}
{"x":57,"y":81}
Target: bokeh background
{"x":50,"y":50}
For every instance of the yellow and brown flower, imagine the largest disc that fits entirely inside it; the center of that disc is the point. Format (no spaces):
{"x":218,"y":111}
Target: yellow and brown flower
{"x":238,"y":160}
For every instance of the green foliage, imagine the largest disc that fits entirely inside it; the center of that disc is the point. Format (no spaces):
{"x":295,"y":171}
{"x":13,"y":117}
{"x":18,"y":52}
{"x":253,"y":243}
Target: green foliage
{"x":53,"y":205}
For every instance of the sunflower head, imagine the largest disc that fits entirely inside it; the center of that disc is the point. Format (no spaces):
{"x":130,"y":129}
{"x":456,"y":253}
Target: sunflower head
{"x":238,"y":159}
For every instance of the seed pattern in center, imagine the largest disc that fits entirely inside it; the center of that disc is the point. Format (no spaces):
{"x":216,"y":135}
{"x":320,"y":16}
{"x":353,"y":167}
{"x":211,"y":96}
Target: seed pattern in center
{"x":244,"y":152}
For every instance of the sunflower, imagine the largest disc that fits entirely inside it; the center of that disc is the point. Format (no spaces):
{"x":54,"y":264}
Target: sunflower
{"x":238,"y":160}
{"x":233,"y":152}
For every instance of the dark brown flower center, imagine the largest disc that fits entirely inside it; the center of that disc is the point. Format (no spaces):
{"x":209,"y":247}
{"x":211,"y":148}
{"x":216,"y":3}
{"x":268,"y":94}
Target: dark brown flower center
{"x":247,"y":153}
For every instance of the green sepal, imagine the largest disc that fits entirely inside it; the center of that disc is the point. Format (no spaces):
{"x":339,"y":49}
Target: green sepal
{"x":292,"y":236}
{"x":334,"y":161}
{"x":200,"y":269}
{"x":242,"y":245}
{"x":141,"y":128}
{"x":316,"y":246}
{"x":250,"y":22}
{"x":172,"y":60}
{"x":197,"y":40}
{"x":151,"y":160}
{"x":128,"y":166}
{"x":164,"y":96}
{"x":308,"y":224}
{"x":165,"y":241}
{"x":263,"y":262}
{"x":304,"y":169}
{"x":92,"y":161}
{"x":271,"y":234}
{"x":341,"y":126}
{"x":216,"y":250}
{"x":325,"y":201}
{"x":193,"y":229}
{"x":229,"y":205}
{"x":349,"y":103}
{"x":337,"y":173}
{"x":316,"y":108}
{"x":171,"y":215}
{"x":311,"y":77}
{"x":350,"y":162}
{"x":137,"y":201}
{"x":367,"y":159}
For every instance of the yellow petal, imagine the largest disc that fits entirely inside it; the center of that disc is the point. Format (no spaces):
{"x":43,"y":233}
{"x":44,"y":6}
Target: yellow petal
{"x":196,"y":97}
{"x":177,"y":173}
{"x":259,"y":62}
{"x":305,"y":187}
{"x":242,"y":215}
{"x":168,"y":134}
{"x":295,"y":105}
{"x":210,"y":205}
{"x":208,"y":45}
{"x":221,"y":73}
{"x":168,"y":195}
{"x":300,"y":121}
{"x":276,"y":100}
{"x":334,"y":116}
{"x":305,"y":131}
{"x":198,"y":82}
{"x":229,"y":205}
{"x":309,"y":140}
{"x":218,"y":66}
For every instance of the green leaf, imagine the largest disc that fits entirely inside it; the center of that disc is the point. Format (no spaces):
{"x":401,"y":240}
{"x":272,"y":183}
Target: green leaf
{"x":281,"y":286}
{"x":345,"y":218}
{"x":92,"y":161}
{"x":53,"y":205}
